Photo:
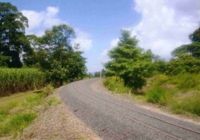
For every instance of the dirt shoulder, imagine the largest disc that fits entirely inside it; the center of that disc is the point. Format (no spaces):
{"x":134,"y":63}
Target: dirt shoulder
{"x":58,"y":123}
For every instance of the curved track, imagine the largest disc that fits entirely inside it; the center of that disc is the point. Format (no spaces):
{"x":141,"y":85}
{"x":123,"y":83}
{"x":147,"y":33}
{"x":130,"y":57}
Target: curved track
{"x":113,"y":118}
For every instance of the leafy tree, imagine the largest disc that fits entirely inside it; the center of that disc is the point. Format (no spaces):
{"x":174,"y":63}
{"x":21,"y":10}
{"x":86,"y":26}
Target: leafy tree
{"x":40,"y":56}
{"x":195,"y":36}
{"x":187,"y":57}
{"x":59,"y":37}
{"x":13,"y":42}
{"x":62,"y":62}
{"x":129,"y":62}
{"x":77,"y":68}
{"x":192,"y":49}
{"x":184,"y":63}
{"x":160,"y":66}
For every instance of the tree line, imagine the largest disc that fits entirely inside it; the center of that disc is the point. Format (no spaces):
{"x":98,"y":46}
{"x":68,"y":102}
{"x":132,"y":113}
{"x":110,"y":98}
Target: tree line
{"x":53,"y":53}
{"x":134,"y":65}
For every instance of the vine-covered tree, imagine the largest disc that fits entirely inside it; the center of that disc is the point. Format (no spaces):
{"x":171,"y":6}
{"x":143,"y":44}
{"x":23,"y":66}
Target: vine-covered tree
{"x":13,"y":41}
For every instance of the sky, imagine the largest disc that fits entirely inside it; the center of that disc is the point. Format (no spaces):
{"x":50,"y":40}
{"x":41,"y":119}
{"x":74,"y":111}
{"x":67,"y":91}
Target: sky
{"x":159,"y":25}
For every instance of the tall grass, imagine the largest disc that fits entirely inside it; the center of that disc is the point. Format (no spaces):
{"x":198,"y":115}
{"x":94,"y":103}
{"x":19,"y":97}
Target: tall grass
{"x":179,"y":93}
{"x":14,"y":80}
{"x":19,"y":110}
{"x":116,"y":84}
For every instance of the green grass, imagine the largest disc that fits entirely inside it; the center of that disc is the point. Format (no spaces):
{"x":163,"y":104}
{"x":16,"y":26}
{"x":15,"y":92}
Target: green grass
{"x":158,"y":95}
{"x":186,"y":81}
{"x":19,"y":110}
{"x":180,"y":93}
{"x":116,"y":84}
{"x":188,"y":104}
{"x":15,"y":80}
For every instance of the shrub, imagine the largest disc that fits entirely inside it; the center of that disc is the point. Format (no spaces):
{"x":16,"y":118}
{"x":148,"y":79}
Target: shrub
{"x":158,"y":95}
{"x":116,"y":84}
{"x":15,"y":80}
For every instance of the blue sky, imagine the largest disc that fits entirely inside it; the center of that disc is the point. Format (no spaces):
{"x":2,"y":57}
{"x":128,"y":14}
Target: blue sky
{"x":160,"y":25}
{"x":102,"y":20}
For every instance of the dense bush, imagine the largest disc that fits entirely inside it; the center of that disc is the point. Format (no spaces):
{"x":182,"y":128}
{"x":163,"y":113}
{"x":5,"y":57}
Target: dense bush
{"x":14,"y":80}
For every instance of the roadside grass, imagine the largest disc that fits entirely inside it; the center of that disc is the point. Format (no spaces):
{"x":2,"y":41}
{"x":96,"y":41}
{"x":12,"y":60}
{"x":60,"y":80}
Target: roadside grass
{"x":116,"y":85}
{"x":180,"y":94}
{"x":19,"y":110}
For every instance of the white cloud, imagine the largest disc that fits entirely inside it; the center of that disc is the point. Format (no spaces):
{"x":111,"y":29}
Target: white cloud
{"x":104,"y":54}
{"x":39,"y":21}
{"x":83,"y":40}
{"x":165,"y":24}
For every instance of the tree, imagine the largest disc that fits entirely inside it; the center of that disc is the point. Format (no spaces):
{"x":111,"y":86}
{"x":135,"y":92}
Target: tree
{"x":13,"y":42}
{"x":187,"y":57}
{"x":129,"y":62}
{"x":40,"y":56}
{"x":63,"y":63}
{"x":192,"y":49}
{"x":195,"y":36}
{"x":184,"y":63}
{"x":59,"y":37}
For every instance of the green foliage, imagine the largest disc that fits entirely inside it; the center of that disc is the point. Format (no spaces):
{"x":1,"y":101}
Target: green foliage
{"x":13,"y":41}
{"x":192,"y":49}
{"x":53,"y":53}
{"x":187,"y":57}
{"x":186,"y":81}
{"x":19,"y":110}
{"x":182,"y":64}
{"x":195,"y":36}
{"x":160,"y":66}
{"x":13,"y":80}
{"x":129,"y":62}
{"x":16,"y":123}
{"x":187,"y":104}
{"x":158,"y":95}
{"x":179,"y":93}
{"x":60,"y":61}
{"x":189,"y":49}
{"x":116,"y":85}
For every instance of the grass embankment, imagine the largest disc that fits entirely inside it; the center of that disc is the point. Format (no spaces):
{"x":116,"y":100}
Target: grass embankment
{"x":180,"y":94}
{"x":19,"y":110}
{"x":16,"y":80}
